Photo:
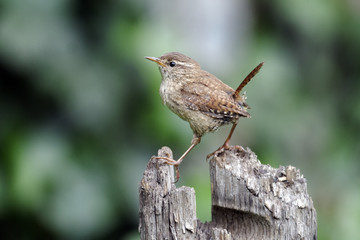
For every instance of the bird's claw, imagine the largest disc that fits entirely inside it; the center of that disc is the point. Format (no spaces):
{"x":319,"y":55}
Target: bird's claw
{"x":172,"y":162}
{"x":223,"y":148}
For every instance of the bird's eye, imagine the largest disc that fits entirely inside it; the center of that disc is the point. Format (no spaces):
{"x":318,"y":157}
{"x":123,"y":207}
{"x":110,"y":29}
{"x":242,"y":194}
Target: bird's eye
{"x":172,"y":64}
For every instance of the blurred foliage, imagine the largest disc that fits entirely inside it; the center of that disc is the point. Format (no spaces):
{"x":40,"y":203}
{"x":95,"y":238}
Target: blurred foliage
{"x":80,"y":113}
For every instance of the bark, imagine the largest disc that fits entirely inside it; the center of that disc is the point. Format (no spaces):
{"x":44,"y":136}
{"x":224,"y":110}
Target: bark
{"x":249,"y":201}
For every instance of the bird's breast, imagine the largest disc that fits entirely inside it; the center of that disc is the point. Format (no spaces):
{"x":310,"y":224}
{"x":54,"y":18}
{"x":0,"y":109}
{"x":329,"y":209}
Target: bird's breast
{"x":170,"y":94}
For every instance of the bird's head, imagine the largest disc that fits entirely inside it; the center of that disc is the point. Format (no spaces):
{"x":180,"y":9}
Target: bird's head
{"x":175,"y":65}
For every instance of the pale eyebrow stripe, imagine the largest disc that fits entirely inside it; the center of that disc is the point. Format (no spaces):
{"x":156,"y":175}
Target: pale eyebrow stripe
{"x":185,"y":64}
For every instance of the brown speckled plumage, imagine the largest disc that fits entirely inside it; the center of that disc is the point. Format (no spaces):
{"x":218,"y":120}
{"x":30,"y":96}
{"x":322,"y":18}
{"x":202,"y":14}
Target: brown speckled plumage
{"x":199,"y":97}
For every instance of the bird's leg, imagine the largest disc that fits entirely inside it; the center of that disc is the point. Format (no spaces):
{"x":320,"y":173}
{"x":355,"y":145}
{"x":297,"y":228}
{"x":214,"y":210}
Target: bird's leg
{"x":195,"y":141}
{"x":226,"y":143}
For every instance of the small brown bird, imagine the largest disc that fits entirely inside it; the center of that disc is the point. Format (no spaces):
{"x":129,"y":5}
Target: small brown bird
{"x":199,"y":98}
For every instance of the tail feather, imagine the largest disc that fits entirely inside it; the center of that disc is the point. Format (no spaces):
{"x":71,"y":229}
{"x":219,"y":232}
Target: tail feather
{"x":247,"y":79}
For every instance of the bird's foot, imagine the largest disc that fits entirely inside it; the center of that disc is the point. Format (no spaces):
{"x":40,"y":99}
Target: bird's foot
{"x":239,"y":148}
{"x":173,"y":162}
{"x":223,"y":148}
{"x":167,"y":160}
{"x":220,"y":149}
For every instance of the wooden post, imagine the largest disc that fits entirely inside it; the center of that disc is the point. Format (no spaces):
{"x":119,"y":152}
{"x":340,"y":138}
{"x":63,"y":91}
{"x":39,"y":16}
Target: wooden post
{"x":249,"y":201}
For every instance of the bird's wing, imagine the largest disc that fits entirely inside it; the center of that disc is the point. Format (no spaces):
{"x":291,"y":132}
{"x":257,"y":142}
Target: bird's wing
{"x":212,"y":100}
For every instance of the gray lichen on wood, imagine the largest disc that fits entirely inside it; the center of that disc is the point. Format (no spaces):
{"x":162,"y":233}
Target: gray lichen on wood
{"x":249,"y":201}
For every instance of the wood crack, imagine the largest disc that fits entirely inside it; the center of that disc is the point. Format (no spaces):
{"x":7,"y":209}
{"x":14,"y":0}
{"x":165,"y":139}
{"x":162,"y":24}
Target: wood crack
{"x":249,"y":201}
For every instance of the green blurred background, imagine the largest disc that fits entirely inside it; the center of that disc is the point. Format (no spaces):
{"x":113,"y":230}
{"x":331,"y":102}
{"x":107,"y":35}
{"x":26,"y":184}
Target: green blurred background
{"x":80,"y":113}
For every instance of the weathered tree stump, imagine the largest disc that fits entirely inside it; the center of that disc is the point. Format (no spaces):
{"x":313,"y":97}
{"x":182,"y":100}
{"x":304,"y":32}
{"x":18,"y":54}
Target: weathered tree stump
{"x":249,"y":201}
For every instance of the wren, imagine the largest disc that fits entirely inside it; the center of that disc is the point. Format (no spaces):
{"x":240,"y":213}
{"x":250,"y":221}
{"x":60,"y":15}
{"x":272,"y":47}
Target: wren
{"x":199,"y":98}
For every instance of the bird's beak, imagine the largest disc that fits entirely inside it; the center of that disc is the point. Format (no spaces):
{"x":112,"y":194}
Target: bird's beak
{"x":155,"y":59}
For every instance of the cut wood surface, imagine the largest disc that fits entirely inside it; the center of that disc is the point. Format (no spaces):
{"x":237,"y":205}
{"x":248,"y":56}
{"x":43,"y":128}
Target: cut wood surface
{"x":249,"y":201}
